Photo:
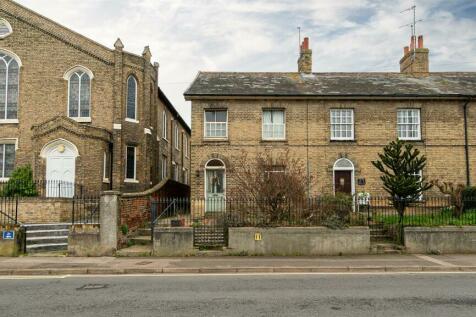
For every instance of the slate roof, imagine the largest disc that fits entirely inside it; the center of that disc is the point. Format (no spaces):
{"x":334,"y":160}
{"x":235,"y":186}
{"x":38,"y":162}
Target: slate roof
{"x":332,"y":85}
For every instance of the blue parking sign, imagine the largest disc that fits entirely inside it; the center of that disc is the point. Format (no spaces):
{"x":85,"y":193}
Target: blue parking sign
{"x":8,"y":235}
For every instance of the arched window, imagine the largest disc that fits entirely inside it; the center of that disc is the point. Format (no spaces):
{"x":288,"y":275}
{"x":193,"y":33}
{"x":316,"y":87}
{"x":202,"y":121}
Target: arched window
{"x":79,"y":93}
{"x":5,"y":28}
{"x":131,"y":107}
{"x":9,"y":81}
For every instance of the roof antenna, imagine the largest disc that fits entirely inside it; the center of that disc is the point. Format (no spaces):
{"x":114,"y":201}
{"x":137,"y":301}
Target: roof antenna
{"x":412,"y":26}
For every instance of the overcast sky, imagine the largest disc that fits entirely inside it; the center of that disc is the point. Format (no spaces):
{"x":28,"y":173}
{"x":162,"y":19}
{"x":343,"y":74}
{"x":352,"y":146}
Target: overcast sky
{"x":186,"y":36}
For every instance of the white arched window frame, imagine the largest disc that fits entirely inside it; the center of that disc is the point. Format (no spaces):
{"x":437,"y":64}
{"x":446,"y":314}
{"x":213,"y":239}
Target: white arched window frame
{"x":131,"y":100}
{"x":344,"y":164}
{"x":5,"y":28}
{"x":218,"y":165}
{"x":10,"y":65}
{"x":79,"y":93}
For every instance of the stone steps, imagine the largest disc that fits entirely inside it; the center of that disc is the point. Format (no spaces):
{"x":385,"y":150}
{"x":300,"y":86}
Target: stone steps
{"x":47,"y":237}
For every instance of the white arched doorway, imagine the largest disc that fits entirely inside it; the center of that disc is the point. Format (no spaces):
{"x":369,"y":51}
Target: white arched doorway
{"x":344,"y":176}
{"x":215,"y":185}
{"x":60,"y":156}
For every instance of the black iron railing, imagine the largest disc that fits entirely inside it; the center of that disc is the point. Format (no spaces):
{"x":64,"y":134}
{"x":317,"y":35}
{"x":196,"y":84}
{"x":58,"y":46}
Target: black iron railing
{"x":8,"y":211}
{"x":85,"y":210}
{"x":43,"y":188}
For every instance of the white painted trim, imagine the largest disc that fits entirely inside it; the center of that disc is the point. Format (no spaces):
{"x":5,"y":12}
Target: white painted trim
{"x":417,"y":138}
{"x":205,"y":137}
{"x":10,"y":141}
{"x":164,"y":125}
{"x":130,"y":180}
{"x":76,"y":68}
{"x":9,"y":121}
{"x":13,"y":55}
{"x":53,"y":144}
{"x":135,"y":101}
{"x":131,"y":120}
{"x":9,"y":27}
{"x":117,"y":126}
{"x":147,"y":131}
{"x":352,"y":137}
{"x":262,"y":125}
{"x":82,"y":119}
{"x":67,"y":76}
{"x":352,"y":175}
{"x":215,"y":168}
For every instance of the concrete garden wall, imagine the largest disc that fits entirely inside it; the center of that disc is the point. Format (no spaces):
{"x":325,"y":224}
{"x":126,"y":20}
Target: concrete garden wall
{"x":13,"y":247}
{"x":173,"y":241}
{"x":84,"y":240}
{"x":450,"y":239}
{"x":289,"y":241}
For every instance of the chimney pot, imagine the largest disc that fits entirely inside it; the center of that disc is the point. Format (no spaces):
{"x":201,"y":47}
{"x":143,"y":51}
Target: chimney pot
{"x":412,"y":42}
{"x":305,"y":44}
{"x":406,"y":50}
{"x":420,"y":41}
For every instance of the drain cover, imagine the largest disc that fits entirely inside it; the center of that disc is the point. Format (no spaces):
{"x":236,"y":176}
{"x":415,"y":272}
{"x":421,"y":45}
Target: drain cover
{"x":92,"y":286}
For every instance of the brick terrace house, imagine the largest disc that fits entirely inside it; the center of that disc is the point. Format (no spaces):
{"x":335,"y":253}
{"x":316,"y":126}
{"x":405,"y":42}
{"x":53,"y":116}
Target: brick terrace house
{"x":335,"y":122}
{"x":77,"y":111}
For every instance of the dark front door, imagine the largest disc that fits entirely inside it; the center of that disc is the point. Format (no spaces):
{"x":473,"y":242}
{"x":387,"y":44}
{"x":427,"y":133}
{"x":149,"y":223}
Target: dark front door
{"x":343,"y":182}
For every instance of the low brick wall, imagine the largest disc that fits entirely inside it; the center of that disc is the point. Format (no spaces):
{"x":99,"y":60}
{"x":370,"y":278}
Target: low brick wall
{"x":84,"y":240}
{"x":173,"y":242}
{"x":448,"y":239}
{"x":290,"y":241}
{"x":135,"y":211}
{"x":44,"y":210}
{"x":13,"y":247}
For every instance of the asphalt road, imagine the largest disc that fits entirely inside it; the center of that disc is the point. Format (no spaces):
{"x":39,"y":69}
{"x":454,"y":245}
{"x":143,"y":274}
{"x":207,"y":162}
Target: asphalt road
{"x":242,"y":295}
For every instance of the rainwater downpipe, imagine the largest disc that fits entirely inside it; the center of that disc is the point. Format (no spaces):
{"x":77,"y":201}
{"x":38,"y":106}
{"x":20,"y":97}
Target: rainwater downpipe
{"x":466,"y":145}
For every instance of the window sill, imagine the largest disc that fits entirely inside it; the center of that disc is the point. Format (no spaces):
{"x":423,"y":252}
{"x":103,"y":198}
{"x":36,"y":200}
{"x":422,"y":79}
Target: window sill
{"x":410,"y":140}
{"x":9,"y":121}
{"x":82,"y":119}
{"x":106,"y":180}
{"x":165,"y":139}
{"x":131,"y":120}
{"x":4,"y":179}
{"x":130,"y":180}
{"x":274,"y":140}
{"x":343,"y":141}
{"x":215,"y":139}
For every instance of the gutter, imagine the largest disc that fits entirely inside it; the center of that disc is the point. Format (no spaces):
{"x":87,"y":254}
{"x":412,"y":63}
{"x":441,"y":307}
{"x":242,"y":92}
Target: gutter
{"x":466,"y":145}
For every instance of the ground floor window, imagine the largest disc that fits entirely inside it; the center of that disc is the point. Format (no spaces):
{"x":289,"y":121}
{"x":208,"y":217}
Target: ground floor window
{"x":106,"y":167}
{"x":131,"y":162}
{"x":7,"y":160}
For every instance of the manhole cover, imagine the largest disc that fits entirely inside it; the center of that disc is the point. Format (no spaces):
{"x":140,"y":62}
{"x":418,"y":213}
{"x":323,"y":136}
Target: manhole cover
{"x":92,"y":286}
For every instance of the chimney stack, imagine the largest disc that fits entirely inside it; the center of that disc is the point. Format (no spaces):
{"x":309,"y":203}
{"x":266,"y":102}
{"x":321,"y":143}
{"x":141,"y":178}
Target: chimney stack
{"x":305,"y":57}
{"x":415,"y":59}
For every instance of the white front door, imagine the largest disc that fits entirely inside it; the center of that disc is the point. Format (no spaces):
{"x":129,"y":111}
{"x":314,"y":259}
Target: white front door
{"x":60,"y":172}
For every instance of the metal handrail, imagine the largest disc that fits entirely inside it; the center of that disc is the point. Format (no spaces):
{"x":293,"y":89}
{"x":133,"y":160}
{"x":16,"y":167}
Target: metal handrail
{"x":153,"y":222}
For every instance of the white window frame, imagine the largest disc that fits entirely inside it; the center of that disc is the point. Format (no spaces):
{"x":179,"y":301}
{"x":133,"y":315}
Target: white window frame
{"x":185,"y":144}
{"x":164,"y":167}
{"x":273,"y":124}
{"x":340,"y":111}
{"x":176,"y":136}
{"x":164,"y":125}
{"x":415,"y":110}
{"x":5,"y":141}
{"x":9,"y":27}
{"x":105,"y":176}
{"x":214,"y":123}
{"x":67,"y":76}
{"x":132,"y":180}
{"x":133,"y":120}
{"x":17,"y":59}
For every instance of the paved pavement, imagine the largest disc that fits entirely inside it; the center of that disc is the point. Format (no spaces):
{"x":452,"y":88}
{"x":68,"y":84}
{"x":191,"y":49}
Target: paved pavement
{"x":349,"y":294}
{"x":229,"y":264}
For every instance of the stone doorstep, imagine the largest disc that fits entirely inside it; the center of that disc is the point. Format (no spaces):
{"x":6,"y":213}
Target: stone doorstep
{"x":223,"y":270}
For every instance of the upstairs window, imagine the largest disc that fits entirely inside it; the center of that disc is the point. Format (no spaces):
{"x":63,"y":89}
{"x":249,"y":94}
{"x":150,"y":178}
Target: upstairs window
{"x":164,"y":167}
{"x":131,"y":106}
{"x":164,"y":125}
{"x":342,"y":124}
{"x":5,"y":28}
{"x":273,"y":125}
{"x":408,"y":124}
{"x":7,"y":160}
{"x":185,"y":145}
{"x":79,"y":100}
{"x":176,"y":136}
{"x":216,"y":124}
{"x":9,"y":81}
